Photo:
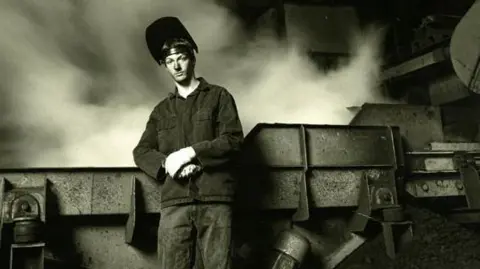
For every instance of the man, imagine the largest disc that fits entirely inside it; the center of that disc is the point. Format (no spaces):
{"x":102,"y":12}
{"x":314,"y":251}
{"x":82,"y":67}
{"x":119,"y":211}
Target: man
{"x":188,"y":145}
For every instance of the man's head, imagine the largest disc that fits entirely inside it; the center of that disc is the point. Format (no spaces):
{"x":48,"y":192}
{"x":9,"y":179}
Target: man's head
{"x":170,"y":43}
{"x":179,"y":59}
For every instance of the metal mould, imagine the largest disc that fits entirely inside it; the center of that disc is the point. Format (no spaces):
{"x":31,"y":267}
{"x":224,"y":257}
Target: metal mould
{"x":281,"y":146}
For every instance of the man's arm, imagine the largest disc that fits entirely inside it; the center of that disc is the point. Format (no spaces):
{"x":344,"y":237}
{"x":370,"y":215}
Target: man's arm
{"x":146,"y":155}
{"x":221,"y":150}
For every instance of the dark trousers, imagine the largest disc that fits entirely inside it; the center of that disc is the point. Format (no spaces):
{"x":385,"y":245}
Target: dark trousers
{"x":195,"y":229}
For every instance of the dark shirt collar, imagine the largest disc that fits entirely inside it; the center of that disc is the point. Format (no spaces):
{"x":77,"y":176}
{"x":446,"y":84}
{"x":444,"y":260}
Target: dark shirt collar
{"x":203,"y":86}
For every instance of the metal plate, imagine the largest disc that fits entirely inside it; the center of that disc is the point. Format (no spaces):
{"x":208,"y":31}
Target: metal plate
{"x":73,"y":192}
{"x":454,"y":146}
{"x":278,"y":189}
{"x":427,"y":59}
{"x":419,"y":125}
{"x":279,"y":145}
{"x":351,"y":146}
{"x":440,"y":187}
{"x":110,"y":190}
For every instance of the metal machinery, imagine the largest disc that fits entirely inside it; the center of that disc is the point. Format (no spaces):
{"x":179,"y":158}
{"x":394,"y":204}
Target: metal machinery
{"x":306,"y":192}
{"x":304,"y":171}
{"x":444,"y":62}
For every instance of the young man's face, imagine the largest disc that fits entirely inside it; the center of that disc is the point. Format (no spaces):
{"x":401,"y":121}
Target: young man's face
{"x":180,"y":67}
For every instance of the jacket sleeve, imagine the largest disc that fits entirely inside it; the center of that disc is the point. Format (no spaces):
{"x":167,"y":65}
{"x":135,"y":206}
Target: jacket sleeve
{"x":146,"y":155}
{"x":223,"y":148}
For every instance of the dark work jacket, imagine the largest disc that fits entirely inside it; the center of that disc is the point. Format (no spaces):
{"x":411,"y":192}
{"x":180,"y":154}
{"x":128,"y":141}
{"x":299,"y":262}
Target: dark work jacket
{"x":208,"y":121}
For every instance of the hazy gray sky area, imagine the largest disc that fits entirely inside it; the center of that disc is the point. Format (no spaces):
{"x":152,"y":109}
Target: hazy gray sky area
{"x":78,"y":82}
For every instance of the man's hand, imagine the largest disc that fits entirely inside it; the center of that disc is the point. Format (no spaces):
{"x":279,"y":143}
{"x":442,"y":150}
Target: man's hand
{"x":178,"y":159}
{"x":188,"y":170}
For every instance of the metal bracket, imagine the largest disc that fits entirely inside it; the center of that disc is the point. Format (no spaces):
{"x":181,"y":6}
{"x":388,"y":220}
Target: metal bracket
{"x":303,"y":210}
{"x":24,"y":207}
{"x":377,"y":191}
{"x":27,"y":256}
{"x":465,"y":164}
{"x":396,"y":235}
{"x":397,"y":232}
{"x":132,"y":216}
{"x":359,"y":221}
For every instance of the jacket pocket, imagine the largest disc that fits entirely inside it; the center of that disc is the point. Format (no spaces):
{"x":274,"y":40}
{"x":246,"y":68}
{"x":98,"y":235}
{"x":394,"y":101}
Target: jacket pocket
{"x":204,"y":124}
{"x":165,"y":133}
{"x":203,"y":115}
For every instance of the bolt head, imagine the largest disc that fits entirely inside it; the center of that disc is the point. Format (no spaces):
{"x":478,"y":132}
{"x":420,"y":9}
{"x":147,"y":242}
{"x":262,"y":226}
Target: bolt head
{"x":25,"y":207}
{"x":425,"y":187}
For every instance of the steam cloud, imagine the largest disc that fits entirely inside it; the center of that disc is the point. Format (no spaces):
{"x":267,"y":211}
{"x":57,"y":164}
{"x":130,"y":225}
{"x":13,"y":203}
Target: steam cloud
{"x":78,"y":82}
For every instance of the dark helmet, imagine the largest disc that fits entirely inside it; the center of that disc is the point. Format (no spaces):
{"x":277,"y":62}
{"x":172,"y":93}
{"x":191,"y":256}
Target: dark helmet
{"x":163,"y":30}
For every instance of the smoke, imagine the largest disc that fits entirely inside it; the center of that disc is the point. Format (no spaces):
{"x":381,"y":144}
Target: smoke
{"x":80,"y":82}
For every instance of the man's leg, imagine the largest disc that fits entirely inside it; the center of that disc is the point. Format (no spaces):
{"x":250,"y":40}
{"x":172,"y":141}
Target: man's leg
{"x":214,"y":234}
{"x":175,"y":238}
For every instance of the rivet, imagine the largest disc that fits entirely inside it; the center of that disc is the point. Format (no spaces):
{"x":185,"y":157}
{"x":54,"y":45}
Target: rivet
{"x":424,"y":187}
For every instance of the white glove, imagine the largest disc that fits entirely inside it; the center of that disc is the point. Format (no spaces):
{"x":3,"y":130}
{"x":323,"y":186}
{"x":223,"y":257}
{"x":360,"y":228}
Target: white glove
{"x":177,"y":159}
{"x":188,"y":170}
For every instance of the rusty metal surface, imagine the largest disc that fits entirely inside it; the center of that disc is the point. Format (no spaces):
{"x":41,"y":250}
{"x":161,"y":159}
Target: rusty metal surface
{"x":351,"y":146}
{"x":107,"y":191}
{"x":276,"y":189}
{"x":419,"y":125}
{"x":270,"y":190}
{"x":279,"y":189}
{"x":103,"y":197}
{"x":293,"y":244}
{"x":277,"y":146}
{"x":72,"y":191}
{"x":84,"y":191}
{"x":440,"y":187}
{"x":335,"y":187}
{"x":280,"y":145}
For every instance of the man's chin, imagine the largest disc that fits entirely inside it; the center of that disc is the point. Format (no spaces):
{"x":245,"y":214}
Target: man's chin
{"x":180,"y":79}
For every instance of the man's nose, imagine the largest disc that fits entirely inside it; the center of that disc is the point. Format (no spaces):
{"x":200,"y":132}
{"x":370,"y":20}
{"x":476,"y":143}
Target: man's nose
{"x":176,"y":65}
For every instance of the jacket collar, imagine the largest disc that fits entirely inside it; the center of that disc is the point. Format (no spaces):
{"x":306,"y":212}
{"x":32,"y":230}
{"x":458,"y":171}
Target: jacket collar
{"x":203,"y":86}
